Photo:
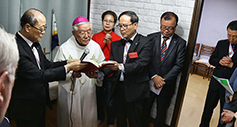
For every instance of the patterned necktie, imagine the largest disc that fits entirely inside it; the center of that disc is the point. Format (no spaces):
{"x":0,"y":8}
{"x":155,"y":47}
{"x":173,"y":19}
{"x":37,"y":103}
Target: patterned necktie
{"x":163,"y":48}
{"x":126,"y":48}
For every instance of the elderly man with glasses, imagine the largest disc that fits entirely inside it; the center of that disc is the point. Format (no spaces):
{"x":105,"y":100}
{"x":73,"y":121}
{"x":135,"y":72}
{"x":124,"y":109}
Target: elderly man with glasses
{"x":77,"y":97}
{"x":31,"y":89}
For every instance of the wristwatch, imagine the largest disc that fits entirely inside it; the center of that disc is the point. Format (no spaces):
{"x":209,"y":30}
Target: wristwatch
{"x":120,"y":67}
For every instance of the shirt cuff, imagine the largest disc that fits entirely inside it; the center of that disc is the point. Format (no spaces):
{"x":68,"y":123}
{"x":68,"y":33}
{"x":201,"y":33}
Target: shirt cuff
{"x":153,"y":76}
{"x":65,"y":69}
{"x":121,"y":68}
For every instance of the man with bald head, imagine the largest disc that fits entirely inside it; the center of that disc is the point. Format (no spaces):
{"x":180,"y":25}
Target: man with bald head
{"x":31,"y":90}
{"x":77,"y":97}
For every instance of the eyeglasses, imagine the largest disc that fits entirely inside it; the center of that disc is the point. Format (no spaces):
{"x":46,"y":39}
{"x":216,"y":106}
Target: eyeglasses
{"x":123,"y":26}
{"x":163,"y":27}
{"x":232,"y":36}
{"x":41,"y":30}
{"x":108,"y":21}
{"x":83,"y":33}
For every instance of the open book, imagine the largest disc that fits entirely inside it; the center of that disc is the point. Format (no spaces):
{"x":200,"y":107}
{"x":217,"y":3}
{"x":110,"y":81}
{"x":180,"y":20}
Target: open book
{"x":92,"y":65}
{"x":225,"y":83}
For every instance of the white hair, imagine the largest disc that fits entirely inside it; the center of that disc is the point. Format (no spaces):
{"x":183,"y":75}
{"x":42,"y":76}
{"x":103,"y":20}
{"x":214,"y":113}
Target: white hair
{"x":9,"y":54}
{"x":75,"y":28}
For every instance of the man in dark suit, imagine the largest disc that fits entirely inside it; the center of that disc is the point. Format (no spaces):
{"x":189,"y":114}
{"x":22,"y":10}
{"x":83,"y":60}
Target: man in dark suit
{"x":31,"y":91}
{"x":130,"y":83}
{"x":165,"y":67}
{"x":225,"y":61}
{"x":9,"y":57}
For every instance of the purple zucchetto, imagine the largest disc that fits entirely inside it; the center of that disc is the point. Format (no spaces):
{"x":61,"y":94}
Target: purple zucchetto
{"x":80,"y":20}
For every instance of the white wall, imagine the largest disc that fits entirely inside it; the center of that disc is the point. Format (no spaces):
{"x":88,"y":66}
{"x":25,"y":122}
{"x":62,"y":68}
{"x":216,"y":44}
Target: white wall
{"x":149,"y":12}
{"x":215,"y":17}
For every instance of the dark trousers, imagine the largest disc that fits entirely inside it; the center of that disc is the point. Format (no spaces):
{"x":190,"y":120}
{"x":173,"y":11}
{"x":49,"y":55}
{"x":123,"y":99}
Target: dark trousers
{"x":102,"y":95}
{"x":211,"y":102}
{"x":40,"y":122}
{"x":162,"y":103}
{"x":127,"y":110}
{"x":147,"y":109}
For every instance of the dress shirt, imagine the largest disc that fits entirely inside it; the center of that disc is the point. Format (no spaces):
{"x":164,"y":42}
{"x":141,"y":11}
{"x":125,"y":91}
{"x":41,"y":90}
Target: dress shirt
{"x":122,"y":65}
{"x":30,"y":43}
{"x":34,"y":50}
{"x":167,"y":43}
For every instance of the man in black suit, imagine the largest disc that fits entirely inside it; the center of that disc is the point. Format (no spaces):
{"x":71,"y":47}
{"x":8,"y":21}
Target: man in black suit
{"x":31,"y":90}
{"x":165,"y":67}
{"x":9,"y":57}
{"x":130,"y":83}
{"x":225,"y":61}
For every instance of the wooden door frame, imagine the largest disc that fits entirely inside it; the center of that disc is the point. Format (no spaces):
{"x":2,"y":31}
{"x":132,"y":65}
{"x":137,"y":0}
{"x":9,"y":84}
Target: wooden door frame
{"x":197,"y":11}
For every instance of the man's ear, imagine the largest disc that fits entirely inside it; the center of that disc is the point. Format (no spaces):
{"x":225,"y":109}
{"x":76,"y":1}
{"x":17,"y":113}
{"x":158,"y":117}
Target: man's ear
{"x":2,"y":79}
{"x":27,"y":27}
{"x":73,"y":32}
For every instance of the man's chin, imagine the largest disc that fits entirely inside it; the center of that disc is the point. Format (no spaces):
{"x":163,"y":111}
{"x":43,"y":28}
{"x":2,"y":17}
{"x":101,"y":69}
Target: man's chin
{"x":85,"y":43}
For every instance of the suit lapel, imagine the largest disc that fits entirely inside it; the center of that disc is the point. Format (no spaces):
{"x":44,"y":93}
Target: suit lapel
{"x":133,"y":46}
{"x":158,"y":46}
{"x":119,"y":49}
{"x":172,"y":44}
{"x":27,"y":48}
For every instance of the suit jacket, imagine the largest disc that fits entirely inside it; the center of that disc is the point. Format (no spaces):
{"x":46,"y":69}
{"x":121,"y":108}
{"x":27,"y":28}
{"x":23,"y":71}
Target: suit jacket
{"x":136,"y":79}
{"x":172,"y":64}
{"x":221,"y":50}
{"x":31,"y":90}
{"x":5,"y":123}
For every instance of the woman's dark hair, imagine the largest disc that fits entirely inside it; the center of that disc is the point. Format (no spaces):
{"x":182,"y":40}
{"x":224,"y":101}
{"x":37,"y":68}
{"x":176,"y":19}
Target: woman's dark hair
{"x":109,"y":13}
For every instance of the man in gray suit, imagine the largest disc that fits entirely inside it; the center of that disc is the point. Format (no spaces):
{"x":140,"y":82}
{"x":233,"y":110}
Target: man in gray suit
{"x":168,"y":59}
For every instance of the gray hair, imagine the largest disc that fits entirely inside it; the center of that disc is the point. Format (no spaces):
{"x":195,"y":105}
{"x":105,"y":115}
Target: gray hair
{"x":75,"y":28}
{"x":9,"y":54}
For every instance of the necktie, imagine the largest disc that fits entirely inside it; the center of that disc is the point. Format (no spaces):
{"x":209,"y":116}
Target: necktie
{"x":234,"y":48}
{"x":36,"y":54}
{"x":127,"y":44}
{"x":126,"y":48}
{"x":163,"y":48}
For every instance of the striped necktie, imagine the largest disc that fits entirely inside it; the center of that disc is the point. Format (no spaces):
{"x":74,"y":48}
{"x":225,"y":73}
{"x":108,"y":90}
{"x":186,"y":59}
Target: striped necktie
{"x":163,"y":48}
